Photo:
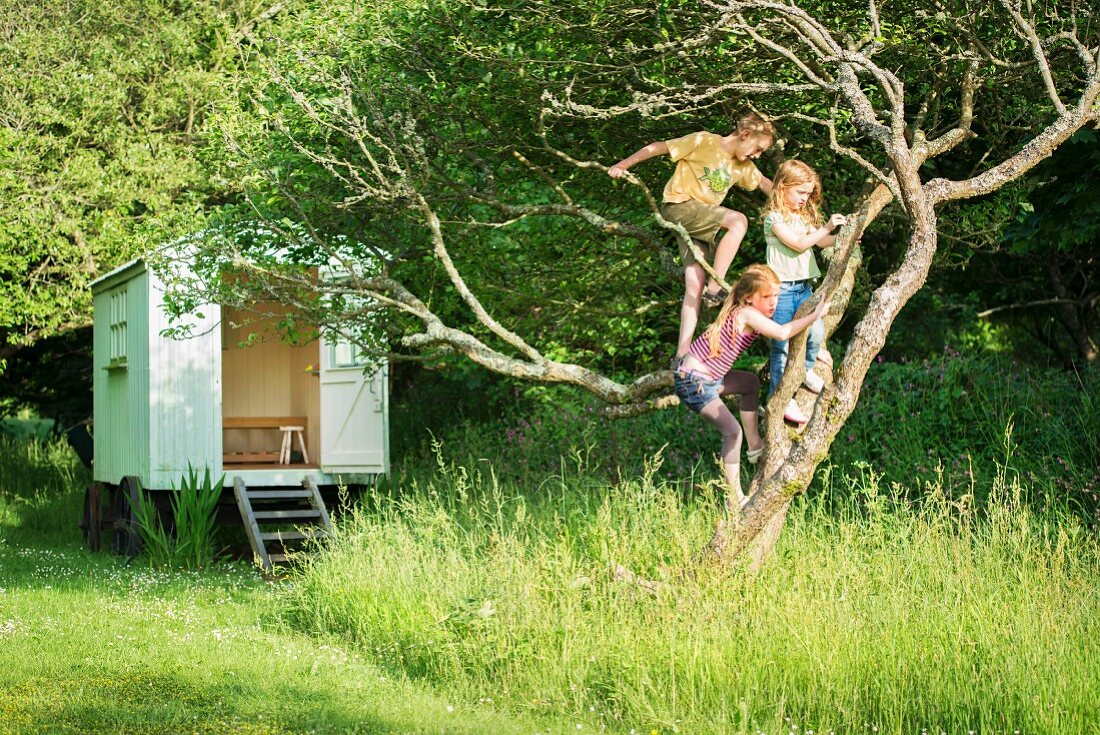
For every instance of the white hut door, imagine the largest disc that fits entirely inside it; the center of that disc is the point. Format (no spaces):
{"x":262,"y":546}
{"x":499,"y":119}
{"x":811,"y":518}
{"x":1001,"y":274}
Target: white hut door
{"x":352,"y":411}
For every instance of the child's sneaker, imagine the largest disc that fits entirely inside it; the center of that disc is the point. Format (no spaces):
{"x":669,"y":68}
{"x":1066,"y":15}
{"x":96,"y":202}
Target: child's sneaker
{"x":794,"y":413}
{"x":714,"y":300}
{"x":813,"y":382}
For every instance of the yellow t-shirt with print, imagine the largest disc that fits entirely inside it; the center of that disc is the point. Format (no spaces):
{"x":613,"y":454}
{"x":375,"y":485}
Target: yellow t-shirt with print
{"x":704,"y":171}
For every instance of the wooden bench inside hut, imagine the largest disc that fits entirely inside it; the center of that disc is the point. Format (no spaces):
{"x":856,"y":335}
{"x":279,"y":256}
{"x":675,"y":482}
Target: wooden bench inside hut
{"x":270,"y":395}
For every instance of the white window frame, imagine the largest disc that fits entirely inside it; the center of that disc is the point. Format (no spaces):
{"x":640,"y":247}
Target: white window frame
{"x":118,"y":331}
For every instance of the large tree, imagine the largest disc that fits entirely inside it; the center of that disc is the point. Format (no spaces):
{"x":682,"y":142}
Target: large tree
{"x":451,"y":135}
{"x":102,"y":107}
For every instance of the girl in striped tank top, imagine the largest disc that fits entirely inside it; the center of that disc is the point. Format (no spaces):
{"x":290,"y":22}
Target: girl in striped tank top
{"x":703,"y":376}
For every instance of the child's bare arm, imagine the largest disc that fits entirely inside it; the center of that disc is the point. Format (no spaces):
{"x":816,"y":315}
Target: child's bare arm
{"x":800,"y":241}
{"x":659,"y":148}
{"x":765,"y":326}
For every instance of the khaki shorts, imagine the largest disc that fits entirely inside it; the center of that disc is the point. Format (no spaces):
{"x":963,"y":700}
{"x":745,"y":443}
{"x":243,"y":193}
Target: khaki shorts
{"x":702,"y":221}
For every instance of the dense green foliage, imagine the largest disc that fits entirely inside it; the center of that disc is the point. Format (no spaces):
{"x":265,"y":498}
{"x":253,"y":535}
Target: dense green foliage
{"x":185,"y":538}
{"x":947,"y":421}
{"x":104,"y":105}
{"x":126,"y":124}
{"x":450,"y":100}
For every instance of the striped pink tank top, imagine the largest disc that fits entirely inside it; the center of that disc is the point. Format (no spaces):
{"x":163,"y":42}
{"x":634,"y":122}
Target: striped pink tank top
{"x":730,"y":346}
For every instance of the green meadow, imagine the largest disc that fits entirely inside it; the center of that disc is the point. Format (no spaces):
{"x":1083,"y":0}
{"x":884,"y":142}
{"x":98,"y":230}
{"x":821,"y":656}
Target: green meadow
{"x":950,"y":591}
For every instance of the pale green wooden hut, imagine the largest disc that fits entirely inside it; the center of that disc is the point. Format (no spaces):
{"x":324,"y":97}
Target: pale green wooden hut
{"x":163,"y":404}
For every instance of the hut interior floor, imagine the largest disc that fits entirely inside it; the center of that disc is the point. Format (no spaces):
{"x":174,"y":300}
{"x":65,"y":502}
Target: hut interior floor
{"x":269,"y":466}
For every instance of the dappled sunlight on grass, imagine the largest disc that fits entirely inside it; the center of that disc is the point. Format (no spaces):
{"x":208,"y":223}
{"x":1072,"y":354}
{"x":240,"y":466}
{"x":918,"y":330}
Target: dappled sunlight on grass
{"x":143,"y":652}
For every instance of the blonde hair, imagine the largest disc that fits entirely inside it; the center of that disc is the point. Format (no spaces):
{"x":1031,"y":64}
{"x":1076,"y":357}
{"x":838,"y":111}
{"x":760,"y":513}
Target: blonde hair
{"x":753,"y":279}
{"x":756,"y":125}
{"x":790,"y":174}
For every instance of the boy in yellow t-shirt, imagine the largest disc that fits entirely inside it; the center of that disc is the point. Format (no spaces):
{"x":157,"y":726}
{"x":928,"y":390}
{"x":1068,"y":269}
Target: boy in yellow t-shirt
{"x":707,"y":165}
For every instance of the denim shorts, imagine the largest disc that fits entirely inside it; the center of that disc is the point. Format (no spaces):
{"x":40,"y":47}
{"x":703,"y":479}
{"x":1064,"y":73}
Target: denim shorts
{"x":695,"y":391}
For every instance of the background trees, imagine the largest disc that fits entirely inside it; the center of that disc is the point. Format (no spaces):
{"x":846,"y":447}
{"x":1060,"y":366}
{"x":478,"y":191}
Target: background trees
{"x":449,"y":157}
{"x":474,"y":133}
{"x":102,"y":109}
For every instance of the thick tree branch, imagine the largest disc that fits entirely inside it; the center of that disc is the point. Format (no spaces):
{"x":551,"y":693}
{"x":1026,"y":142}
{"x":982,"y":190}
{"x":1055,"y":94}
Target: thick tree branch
{"x":672,"y":102}
{"x":1036,"y":149}
{"x":459,"y":282}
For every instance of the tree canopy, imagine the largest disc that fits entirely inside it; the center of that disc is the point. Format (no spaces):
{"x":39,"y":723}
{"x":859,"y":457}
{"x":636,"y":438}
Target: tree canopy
{"x":463,"y":146}
{"x":102,"y":109}
{"x":449,"y":158}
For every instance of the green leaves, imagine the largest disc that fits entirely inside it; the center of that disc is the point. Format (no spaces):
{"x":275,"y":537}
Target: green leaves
{"x":104,"y":106}
{"x":190,"y":542}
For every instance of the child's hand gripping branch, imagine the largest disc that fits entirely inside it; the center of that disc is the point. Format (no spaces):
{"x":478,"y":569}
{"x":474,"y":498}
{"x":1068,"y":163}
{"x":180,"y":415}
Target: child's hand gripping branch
{"x":799,"y":240}
{"x":763,"y":325}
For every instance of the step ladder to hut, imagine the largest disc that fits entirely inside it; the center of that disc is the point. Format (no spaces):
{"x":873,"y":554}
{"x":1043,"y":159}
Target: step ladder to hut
{"x":274,"y":516}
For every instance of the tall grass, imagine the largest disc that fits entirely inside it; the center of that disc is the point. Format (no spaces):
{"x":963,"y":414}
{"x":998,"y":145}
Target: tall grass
{"x":939,"y":420}
{"x":92,"y":644}
{"x":878,"y":612}
{"x":943,"y":420}
{"x":41,"y":490}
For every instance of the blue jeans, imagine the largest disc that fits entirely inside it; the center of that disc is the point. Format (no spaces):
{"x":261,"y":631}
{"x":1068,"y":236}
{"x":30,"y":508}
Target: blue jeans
{"x":695,"y":391}
{"x":791,"y":296}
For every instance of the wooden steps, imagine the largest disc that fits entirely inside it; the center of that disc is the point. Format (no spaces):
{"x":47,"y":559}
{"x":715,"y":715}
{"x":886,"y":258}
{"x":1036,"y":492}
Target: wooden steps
{"x":289,"y":514}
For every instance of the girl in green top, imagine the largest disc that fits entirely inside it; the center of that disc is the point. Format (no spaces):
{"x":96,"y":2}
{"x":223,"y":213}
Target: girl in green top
{"x":792,"y":227}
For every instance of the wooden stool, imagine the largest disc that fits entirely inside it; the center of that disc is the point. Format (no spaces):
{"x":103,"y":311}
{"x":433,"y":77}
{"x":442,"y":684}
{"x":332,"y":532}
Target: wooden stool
{"x":284,"y":451}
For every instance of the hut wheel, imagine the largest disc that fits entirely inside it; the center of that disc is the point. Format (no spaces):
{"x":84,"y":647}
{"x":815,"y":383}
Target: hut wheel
{"x":124,"y":534}
{"x":93,"y":516}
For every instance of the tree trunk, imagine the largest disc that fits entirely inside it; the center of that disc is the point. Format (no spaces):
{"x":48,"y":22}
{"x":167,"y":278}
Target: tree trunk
{"x":839,"y":283}
{"x":788,"y":474}
{"x":1086,"y":347}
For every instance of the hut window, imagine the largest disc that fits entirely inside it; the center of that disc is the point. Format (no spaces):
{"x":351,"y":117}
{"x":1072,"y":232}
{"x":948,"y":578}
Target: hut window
{"x":345,"y":353}
{"x":118,"y":329}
